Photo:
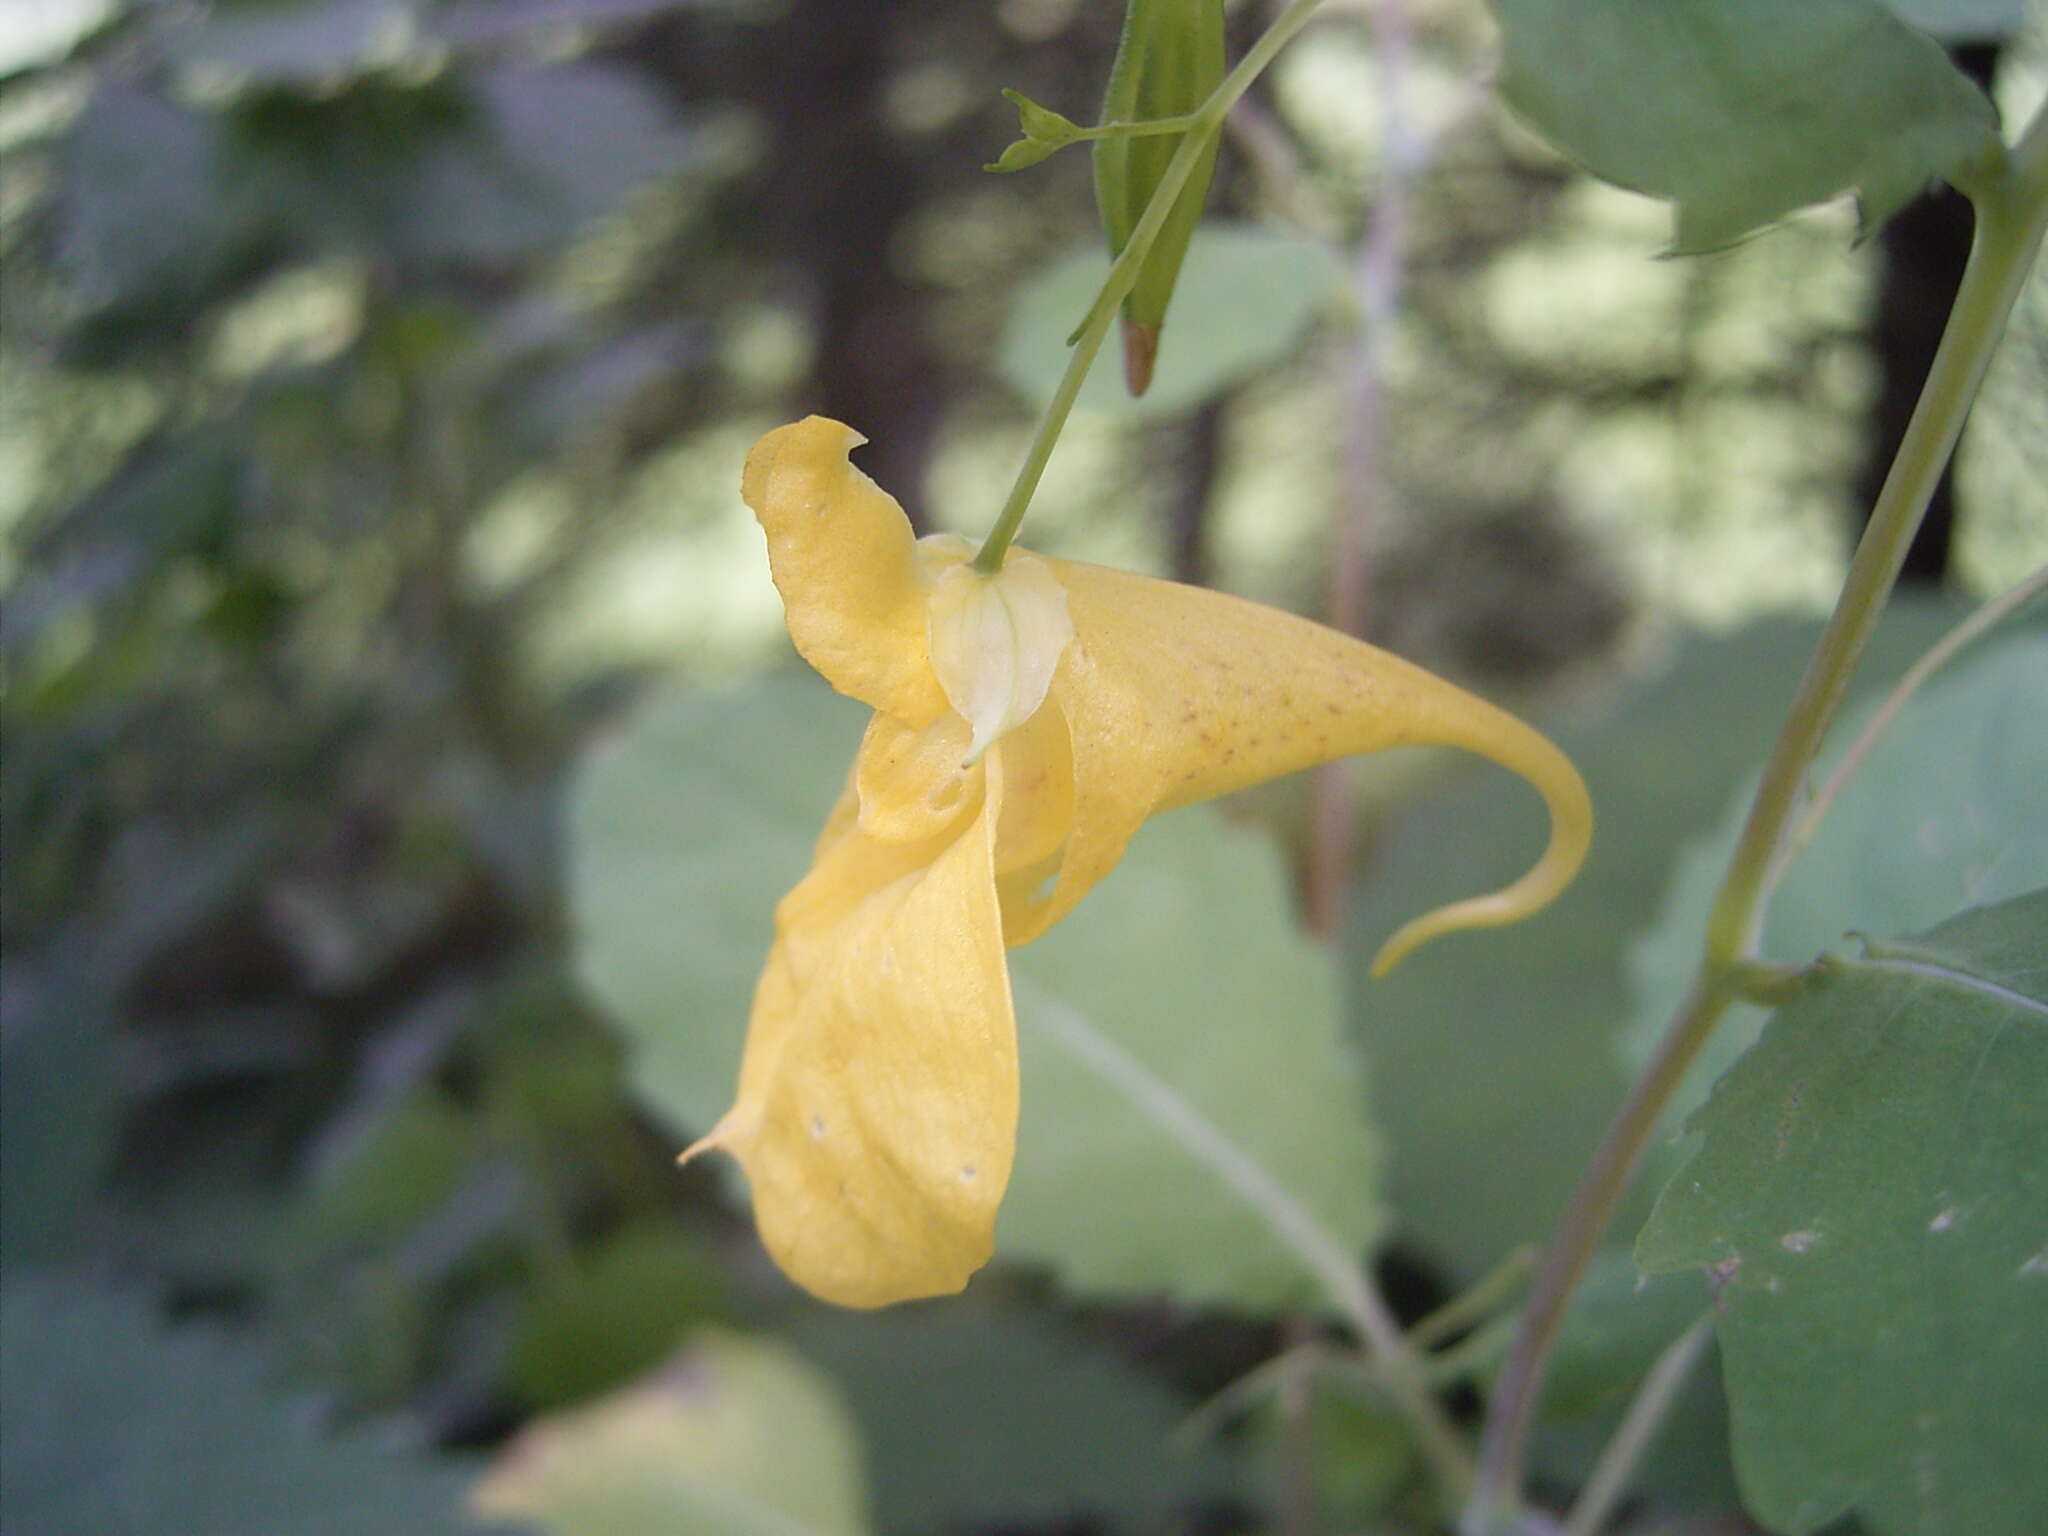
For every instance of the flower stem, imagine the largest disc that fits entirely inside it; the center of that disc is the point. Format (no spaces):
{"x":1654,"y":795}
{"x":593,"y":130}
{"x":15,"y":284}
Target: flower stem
{"x":1150,"y":127}
{"x":2011,"y":201}
{"x":1204,"y":123}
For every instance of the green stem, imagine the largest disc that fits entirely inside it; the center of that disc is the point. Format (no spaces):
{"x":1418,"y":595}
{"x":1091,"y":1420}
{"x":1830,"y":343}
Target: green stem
{"x":1638,"y":1431}
{"x":2011,"y":210}
{"x":2011,"y":200}
{"x":1476,"y":1305}
{"x":1203,"y":125}
{"x":1939,"y":655}
{"x":1497,"y":1488}
{"x":1145,"y":128}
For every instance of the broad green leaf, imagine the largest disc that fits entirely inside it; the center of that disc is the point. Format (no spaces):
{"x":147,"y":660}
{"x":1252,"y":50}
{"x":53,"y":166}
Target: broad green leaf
{"x":1740,"y":111}
{"x":1871,"y":1190}
{"x":980,"y":1419}
{"x":1493,"y":1061}
{"x":1245,"y":294}
{"x":115,"y":1426}
{"x":1175,"y":1035}
{"x":1963,"y":20}
{"x":734,"y":1437}
{"x":1891,"y":856}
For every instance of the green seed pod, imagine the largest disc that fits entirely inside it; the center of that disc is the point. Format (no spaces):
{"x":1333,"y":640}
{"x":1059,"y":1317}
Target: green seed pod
{"x":1168,"y":61}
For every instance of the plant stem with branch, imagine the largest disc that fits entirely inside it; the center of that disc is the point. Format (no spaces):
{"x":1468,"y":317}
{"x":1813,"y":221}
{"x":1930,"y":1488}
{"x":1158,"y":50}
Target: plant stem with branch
{"x":1204,"y":124}
{"x":2012,"y":208}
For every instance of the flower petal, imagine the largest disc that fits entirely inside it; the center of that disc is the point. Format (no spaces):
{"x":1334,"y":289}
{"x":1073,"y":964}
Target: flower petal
{"x":1175,"y":694}
{"x":877,"y":1109}
{"x":996,"y":642}
{"x":913,"y":783}
{"x":846,"y":564}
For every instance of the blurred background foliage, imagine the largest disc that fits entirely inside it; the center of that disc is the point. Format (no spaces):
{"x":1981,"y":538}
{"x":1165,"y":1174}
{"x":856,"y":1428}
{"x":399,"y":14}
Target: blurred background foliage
{"x":373,"y":386}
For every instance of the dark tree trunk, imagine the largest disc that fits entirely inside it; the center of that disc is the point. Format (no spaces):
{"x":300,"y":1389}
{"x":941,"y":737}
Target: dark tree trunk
{"x":1922,"y":252}
{"x":840,"y":188}
{"x":1195,"y":448}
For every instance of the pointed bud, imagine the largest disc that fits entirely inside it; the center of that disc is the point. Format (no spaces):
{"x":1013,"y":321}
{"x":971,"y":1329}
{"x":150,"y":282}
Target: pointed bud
{"x":1168,"y":62}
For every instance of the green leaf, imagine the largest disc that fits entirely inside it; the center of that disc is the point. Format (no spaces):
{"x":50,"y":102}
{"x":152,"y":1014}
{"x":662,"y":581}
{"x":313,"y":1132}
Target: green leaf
{"x":978,"y":1419}
{"x":402,"y":1161}
{"x":1740,"y":111}
{"x":115,"y":1427}
{"x":1185,"y":1084}
{"x":547,"y":148}
{"x":1244,"y":296}
{"x":1963,"y":20}
{"x":1889,"y":857}
{"x":137,"y":192}
{"x":61,"y":1097}
{"x":1872,"y":1190}
{"x":1045,"y":132}
{"x":735,"y":1437}
{"x":623,"y":1309}
{"x":1183,"y":972}
{"x":1493,"y":1059}
{"x":1021,"y":155}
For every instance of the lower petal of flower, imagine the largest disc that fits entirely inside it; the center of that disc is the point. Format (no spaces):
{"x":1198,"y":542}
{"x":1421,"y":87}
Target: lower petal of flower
{"x":877,"y":1110}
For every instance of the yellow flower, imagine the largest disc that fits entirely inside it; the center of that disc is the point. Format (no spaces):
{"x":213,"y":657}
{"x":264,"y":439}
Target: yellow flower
{"x":1025,"y":725}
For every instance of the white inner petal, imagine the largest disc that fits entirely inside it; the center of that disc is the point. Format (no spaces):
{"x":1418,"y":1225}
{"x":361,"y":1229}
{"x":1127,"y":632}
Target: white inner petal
{"x":996,"y":642}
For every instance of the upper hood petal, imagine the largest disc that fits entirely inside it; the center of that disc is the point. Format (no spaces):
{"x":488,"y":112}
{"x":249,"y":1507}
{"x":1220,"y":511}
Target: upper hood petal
{"x":845,"y":561}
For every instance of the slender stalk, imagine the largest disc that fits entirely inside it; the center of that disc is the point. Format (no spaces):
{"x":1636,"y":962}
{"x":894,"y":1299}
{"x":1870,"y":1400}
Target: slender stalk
{"x":2012,"y":208}
{"x":1151,"y":127}
{"x":1299,"y":1511}
{"x":1513,"y":1408}
{"x":1267,"y":1376}
{"x":1377,"y":277}
{"x":1638,"y":1429}
{"x":1939,"y":655}
{"x":1204,"y":124}
{"x":1395,"y":1368}
{"x":2010,"y":213}
{"x":1476,"y":1305}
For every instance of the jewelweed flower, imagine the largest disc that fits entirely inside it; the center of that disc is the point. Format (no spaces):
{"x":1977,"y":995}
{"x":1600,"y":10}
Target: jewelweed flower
{"x":1026,"y":724}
